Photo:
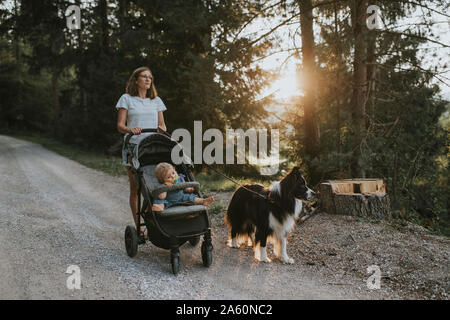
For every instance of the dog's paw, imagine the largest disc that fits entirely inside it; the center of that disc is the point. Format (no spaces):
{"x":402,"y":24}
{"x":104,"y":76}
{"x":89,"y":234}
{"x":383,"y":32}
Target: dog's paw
{"x":266,"y":259}
{"x":232,"y":244}
{"x":287,"y":260}
{"x":277,"y":252}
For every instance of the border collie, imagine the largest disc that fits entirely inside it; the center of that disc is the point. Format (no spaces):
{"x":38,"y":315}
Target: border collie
{"x":259,"y":220}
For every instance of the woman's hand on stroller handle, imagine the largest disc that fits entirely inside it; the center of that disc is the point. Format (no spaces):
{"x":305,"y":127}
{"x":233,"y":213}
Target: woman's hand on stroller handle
{"x":133,"y":132}
{"x":161,"y":130}
{"x":136,"y":130}
{"x":139,"y":130}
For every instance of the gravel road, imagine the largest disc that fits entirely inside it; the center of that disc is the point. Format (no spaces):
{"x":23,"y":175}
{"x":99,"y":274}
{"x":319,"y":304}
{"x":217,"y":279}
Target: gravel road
{"x":55,"y":213}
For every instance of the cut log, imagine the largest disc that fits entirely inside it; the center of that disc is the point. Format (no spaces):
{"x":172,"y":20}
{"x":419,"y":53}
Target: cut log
{"x":355,"y":197}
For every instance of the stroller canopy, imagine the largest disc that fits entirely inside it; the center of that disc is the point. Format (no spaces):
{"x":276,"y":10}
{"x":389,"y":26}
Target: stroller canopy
{"x":157,"y":148}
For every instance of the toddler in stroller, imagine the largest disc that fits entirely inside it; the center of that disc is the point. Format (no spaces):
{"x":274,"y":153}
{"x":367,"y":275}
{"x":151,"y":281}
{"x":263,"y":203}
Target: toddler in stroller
{"x":166,"y":174}
{"x":177,"y":223}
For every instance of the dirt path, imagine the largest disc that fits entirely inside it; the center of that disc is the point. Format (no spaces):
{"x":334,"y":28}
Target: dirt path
{"x":55,"y":213}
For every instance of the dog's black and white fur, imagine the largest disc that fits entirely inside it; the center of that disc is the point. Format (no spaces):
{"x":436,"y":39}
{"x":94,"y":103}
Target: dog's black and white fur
{"x":258,"y":219}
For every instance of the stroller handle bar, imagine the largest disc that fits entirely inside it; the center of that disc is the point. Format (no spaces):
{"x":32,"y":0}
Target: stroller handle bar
{"x":129,"y":135}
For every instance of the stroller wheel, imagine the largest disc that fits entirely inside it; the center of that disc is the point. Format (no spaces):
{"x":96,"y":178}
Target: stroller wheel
{"x":194,"y":241}
{"x":131,"y":241}
{"x":206,"y":254}
{"x":175,"y":261}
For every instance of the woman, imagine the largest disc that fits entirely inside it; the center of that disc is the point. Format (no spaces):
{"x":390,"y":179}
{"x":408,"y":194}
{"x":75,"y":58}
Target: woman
{"x":140,"y":107}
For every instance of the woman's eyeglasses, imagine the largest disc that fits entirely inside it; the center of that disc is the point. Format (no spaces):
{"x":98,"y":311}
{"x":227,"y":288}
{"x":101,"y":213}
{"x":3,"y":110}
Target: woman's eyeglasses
{"x":147,"y":77}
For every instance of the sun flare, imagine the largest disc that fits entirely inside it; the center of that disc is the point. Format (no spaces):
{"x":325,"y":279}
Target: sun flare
{"x":286,"y":87}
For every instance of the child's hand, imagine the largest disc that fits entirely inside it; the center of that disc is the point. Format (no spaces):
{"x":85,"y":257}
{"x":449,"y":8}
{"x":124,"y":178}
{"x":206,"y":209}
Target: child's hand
{"x":189,"y":190}
{"x":158,"y":207}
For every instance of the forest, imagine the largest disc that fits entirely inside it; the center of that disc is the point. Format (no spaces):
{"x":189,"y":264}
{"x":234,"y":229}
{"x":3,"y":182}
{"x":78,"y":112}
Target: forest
{"x":372,"y":88}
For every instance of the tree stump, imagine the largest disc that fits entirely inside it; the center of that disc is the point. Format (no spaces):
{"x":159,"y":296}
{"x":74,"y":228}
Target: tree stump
{"x":355,"y":197}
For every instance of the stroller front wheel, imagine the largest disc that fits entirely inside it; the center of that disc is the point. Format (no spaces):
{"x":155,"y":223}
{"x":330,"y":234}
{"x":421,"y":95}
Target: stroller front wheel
{"x":175,"y":262}
{"x":206,"y":254}
{"x":131,"y":241}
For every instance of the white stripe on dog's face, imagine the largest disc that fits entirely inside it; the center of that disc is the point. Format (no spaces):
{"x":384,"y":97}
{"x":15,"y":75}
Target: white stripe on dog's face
{"x":276,"y":188}
{"x":298,"y":208}
{"x":309,"y":194}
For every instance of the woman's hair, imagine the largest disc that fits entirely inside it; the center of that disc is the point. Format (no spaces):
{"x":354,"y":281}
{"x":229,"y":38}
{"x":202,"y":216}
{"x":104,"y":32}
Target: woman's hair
{"x":132,"y":87}
{"x":161,"y":169}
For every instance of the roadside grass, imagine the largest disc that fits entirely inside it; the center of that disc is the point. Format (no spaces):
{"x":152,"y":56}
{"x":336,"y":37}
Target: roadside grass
{"x":111,"y":165}
{"x":215,"y":182}
{"x":217,"y":208}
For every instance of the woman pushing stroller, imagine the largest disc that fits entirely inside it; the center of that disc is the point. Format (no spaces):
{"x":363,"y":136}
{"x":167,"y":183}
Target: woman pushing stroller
{"x":140,"y":107}
{"x":140,"y":111}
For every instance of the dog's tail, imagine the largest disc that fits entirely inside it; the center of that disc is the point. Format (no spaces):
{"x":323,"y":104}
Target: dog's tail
{"x":233,"y":207}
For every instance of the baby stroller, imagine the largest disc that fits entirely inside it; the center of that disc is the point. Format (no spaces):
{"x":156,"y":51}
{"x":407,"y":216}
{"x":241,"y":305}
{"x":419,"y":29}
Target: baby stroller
{"x":175,"y":225}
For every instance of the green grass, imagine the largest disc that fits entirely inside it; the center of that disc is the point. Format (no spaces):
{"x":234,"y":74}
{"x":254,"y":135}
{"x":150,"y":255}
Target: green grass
{"x":113,"y":165}
{"x":95,"y":160}
{"x":217,"y":208}
{"x":216,"y":182}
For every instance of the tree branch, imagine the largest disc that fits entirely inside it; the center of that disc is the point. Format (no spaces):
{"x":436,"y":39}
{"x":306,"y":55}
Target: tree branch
{"x":421,"y":5}
{"x":416,"y":36}
{"x":324,"y":3}
{"x":254,"y":17}
{"x":273,"y":29}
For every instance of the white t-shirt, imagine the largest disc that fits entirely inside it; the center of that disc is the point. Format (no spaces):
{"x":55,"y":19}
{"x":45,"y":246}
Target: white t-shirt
{"x":142,"y":112}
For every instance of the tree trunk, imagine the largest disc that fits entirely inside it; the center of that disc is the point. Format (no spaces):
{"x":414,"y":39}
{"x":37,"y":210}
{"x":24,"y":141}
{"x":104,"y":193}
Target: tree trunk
{"x":311,"y":125}
{"x":82,"y":75}
{"x":371,"y":80}
{"x":359,"y":8}
{"x":355,"y":197}
{"x":371,"y":74}
{"x":56,"y":104}
{"x":16,"y":35}
{"x":103,"y":11}
{"x":122,"y":14}
{"x":338,"y":83}
{"x":18,"y":71}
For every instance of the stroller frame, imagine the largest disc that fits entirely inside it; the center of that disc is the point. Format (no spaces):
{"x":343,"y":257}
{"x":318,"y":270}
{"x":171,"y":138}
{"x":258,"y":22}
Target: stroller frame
{"x":168,"y":231}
